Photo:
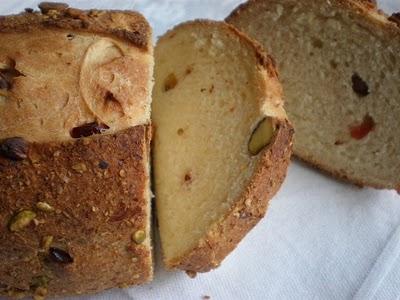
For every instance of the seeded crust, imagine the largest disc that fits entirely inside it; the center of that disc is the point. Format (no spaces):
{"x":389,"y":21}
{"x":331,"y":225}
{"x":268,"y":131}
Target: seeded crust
{"x":96,"y":211}
{"x":126,"y":25}
{"x":251,"y":206}
{"x":374,"y":19}
{"x":247,"y":211}
{"x":98,"y":188}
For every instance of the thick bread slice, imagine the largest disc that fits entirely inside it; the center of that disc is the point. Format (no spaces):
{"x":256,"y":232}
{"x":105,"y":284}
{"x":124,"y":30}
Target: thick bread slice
{"x":340,"y":68}
{"x":75,"y":136}
{"x":214,"y":87}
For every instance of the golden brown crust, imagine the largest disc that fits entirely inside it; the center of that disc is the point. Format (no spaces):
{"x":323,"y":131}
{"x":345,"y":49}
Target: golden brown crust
{"x":126,"y":25}
{"x":248,"y":210}
{"x":99,"y":78}
{"x":368,"y":8}
{"x":98,"y":192}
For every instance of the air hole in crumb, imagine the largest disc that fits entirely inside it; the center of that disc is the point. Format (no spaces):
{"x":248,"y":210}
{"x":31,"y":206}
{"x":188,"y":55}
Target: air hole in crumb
{"x":188,"y":177}
{"x":189,"y":70}
{"x":317,"y":43}
{"x":338,"y":143}
{"x":360,"y":87}
{"x":203,"y":90}
{"x":211,"y":89}
{"x":180,"y":131}
{"x":70,"y":36}
{"x":110,"y":97}
{"x":170,"y":82}
{"x":333,"y":64}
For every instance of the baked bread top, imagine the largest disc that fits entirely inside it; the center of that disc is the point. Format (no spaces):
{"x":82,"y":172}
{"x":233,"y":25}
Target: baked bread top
{"x":85,"y":84}
{"x":340,"y":69}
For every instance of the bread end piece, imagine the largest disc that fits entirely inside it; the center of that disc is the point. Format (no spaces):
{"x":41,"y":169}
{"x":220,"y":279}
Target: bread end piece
{"x":355,"y":138}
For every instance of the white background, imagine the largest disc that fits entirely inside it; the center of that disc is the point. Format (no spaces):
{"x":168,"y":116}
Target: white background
{"x":320,"y":239}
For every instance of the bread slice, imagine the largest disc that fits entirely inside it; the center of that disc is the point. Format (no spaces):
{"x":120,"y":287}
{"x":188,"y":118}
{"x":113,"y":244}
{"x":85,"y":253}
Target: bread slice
{"x":340,"y":70}
{"x":74,"y":151}
{"x":222,"y":141}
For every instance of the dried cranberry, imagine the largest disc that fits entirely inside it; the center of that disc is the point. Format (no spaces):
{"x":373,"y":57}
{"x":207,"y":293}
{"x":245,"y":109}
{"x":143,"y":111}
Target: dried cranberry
{"x":88,"y":130}
{"x":60,"y":256}
{"x":4,"y":84}
{"x":395,"y":18}
{"x":360,"y":131}
{"x":15,"y":148}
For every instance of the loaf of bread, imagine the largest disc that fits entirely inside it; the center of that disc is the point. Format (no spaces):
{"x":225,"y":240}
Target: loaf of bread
{"x":222,"y":142}
{"x":340,"y":69}
{"x":75,"y":96}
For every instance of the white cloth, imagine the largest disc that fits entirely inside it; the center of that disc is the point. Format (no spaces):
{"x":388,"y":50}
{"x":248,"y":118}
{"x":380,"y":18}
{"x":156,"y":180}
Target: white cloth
{"x":321,"y":239}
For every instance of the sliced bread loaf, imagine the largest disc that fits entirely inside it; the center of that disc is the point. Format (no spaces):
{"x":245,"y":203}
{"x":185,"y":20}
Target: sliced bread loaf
{"x":222,"y":141}
{"x":340,"y":69}
{"x":74,"y":151}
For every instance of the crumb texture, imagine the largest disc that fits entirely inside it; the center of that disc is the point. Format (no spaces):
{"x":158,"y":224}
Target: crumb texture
{"x":339,"y":66}
{"x":209,"y":97}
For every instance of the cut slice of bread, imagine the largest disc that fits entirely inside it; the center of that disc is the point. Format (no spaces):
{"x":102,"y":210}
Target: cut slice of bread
{"x":222,"y":141}
{"x":75,"y":135}
{"x":340,"y":69}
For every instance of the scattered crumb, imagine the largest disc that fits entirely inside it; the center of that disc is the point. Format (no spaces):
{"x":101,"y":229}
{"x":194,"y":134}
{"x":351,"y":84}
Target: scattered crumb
{"x":191,"y":274}
{"x":206,"y":297}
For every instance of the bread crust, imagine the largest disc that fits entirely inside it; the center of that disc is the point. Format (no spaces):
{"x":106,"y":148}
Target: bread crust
{"x":373,"y":18}
{"x":247,"y":211}
{"x":268,"y":176}
{"x":129,"y":26}
{"x":99,"y":194}
{"x":367,"y":8}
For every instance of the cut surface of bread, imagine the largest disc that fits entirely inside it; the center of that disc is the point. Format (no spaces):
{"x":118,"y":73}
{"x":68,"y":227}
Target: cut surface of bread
{"x":340,"y":69}
{"x":222,"y":142}
{"x":74,"y":151}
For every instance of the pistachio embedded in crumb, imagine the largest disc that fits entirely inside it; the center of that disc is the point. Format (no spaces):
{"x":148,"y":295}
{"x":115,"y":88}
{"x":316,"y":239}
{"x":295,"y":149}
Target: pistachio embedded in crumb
{"x":122,"y":173}
{"x":261,"y":136}
{"x":40,"y":293}
{"x":79,"y":167}
{"x":44,"y":206}
{"x":39,"y":281}
{"x":21,"y":220}
{"x":46,"y":242}
{"x":16,"y":294}
{"x":139,"y":236}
